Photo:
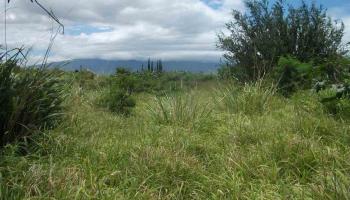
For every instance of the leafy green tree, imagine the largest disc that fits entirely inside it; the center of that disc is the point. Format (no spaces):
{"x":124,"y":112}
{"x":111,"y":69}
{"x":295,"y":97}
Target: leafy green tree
{"x":120,"y":98}
{"x":259,"y":37}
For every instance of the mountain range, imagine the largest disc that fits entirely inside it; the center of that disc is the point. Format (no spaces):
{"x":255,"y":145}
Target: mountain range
{"x":101,"y":66}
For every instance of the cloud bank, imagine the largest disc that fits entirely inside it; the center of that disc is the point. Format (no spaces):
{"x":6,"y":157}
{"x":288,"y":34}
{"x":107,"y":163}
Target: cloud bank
{"x":123,"y":29}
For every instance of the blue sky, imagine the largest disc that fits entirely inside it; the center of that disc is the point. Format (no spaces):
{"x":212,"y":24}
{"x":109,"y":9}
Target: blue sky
{"x":132,"y":29}
{"x":335,"y":3}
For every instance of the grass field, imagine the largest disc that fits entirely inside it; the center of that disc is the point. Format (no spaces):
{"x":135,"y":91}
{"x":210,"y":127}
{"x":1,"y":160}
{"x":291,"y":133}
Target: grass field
{"x":213,"y":142}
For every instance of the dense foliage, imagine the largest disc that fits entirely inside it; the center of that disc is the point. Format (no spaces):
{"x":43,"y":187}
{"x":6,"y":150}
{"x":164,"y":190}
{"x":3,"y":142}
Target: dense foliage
{"x":266,"y":32}
{"x":292,"y":75}
{"x":119,"y":98}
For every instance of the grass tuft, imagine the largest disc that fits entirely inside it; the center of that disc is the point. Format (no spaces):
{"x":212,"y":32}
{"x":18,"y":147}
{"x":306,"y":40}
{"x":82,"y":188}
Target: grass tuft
{"x":180,"y":110}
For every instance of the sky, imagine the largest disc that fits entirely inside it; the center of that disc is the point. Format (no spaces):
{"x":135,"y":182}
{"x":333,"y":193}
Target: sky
{"x":130,"y":29}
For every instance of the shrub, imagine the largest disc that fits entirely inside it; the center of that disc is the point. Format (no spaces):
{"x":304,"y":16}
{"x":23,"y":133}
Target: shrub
{"x":125,"y":80}
{"x":334,"y":89}
{"x":339,"y":107}
{"x":158,"y":83}
{"x":120,"y":102}
{"x":119,"y":97}
{"x":30,"y":100}
{"x":85,"y":79}
{"x":335,"y":104}
{"x":291,"y":75}
{"x":335,"y":70}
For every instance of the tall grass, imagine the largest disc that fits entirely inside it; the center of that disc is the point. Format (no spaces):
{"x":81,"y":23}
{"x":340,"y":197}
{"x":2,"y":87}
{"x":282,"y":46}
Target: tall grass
{"x":254,"y":98}
{"x":289,"y":149}
{"x":31,"y":99}
{"x":181,"y":110}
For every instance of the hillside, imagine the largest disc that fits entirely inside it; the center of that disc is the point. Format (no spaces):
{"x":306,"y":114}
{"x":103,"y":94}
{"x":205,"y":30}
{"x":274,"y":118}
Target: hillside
{"x":108,"y":66}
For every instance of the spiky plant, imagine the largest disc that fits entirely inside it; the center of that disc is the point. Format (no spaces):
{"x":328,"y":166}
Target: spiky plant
{"x":180,"y":110}
{"x":31,"y":99}
{"x":249,"y":99}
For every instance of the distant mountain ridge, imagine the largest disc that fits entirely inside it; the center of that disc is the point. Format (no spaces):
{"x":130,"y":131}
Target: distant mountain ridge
{"x":101,"y":66}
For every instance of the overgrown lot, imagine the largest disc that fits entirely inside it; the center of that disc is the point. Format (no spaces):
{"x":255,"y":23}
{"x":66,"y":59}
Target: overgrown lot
{"x":274,"y":123}
{"x":219,"y":141}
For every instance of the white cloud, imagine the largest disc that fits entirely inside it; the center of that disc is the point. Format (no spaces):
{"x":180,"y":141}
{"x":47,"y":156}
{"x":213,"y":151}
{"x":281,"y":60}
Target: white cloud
{"x":346,"y":21}
{"x":123,"y":29}
{"x":341,"y":13}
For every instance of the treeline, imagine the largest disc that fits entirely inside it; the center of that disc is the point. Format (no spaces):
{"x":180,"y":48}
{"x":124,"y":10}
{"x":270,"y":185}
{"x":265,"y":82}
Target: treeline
{"x":158,"y":67}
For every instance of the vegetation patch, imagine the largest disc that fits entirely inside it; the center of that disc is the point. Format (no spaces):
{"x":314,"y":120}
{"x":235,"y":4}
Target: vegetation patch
{"x":30,"y":99}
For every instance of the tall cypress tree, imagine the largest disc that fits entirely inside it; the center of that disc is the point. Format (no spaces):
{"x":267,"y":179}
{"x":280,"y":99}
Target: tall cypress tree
{"x":149,"y":65}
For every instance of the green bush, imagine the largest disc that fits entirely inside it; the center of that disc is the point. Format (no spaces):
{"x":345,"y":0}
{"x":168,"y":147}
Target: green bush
{"x":120,"y":102}
{"x":87,"y":80}
{"x":335,"y":70}
{"x":334,"y":89}
{"x":30,"y":100}
{"x":334,"y":104}
{"x":156,"y":82}
{"x":125,"y":80}
{"x":119,"y":97}
{"x":165,"y":82}
{"x":291,"y":75}
{"x":339,"y":108}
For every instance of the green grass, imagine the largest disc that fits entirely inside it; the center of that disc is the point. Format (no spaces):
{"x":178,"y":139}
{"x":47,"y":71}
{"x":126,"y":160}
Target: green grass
{"x":210,"y":143}
{"x":30,"y":99}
